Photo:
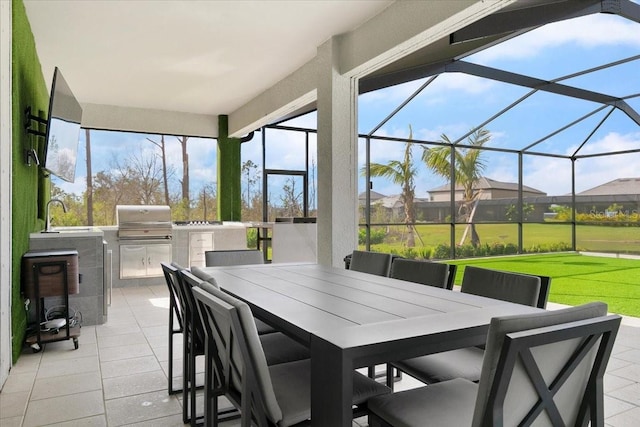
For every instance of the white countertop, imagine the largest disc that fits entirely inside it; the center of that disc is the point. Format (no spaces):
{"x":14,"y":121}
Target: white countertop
{"x":63,"y":232}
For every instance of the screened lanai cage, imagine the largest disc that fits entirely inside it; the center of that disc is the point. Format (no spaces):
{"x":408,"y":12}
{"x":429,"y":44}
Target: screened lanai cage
{"x":529,"y":145}
{"x":520,"y":135}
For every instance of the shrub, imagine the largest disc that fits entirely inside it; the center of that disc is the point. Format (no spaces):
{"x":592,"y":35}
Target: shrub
{"x":252,"y":238}
{"x":377,"y":236}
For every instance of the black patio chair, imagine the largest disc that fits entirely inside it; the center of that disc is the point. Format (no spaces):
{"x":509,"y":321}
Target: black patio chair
{"x":424,"y":272}
{"x":371,"y":262}
{"x":467,"y":362}
{"x":176,"y":312}
{"x":278,"y":395}
{"x":545,"y":368}
{"x":233,"y":257}
{"x":193,"y":343}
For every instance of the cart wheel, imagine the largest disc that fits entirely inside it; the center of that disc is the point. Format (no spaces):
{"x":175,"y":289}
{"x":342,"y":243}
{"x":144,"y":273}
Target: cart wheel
{"x":75,"y":343}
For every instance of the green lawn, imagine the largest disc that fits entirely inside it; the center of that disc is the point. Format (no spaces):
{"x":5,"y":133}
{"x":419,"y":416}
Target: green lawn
{"x":590,"y":238}
{"x":576,"y":279}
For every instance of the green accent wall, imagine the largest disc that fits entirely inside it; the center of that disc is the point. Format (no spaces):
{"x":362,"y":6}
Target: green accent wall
{"x":229,"y":191}
{"x":30,"y":187}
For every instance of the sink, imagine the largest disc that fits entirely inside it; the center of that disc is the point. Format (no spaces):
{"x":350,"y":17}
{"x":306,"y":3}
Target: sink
{"x":89,"y":231}
{"x":72,"y":229}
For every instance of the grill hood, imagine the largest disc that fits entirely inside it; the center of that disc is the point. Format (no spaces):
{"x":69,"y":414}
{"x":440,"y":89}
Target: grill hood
{"x":143,"y":221}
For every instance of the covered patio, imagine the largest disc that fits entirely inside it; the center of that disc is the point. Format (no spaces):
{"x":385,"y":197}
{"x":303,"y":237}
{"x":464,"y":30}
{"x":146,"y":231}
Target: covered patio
{"x":118,"y":376}
{"x":223,"y":70}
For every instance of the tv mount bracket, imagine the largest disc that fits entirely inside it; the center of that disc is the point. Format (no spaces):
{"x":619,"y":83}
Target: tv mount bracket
{"x":30,"y":117}
{"x":30,"y":153}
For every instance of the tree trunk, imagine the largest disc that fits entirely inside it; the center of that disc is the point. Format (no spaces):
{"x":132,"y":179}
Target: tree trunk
{"x":409,"y":220}
{"x":185,"y":171}
{"x":165,"y":179}
{"x":87,"y":133}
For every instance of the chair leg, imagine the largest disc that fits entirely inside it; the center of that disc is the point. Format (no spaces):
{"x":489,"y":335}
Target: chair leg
{"x":185,"y":377}
{"x":210,"y":397}
{"x":172,"y":332}
{"x":390,"y":377}
{"x":371,"y":372}
{"x":170,"y":375}
{"x":192,"y":381}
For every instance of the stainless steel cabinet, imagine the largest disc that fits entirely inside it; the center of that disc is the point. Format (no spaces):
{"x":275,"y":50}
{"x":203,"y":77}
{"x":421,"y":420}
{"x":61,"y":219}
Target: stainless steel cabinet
{"x":143,"y":260}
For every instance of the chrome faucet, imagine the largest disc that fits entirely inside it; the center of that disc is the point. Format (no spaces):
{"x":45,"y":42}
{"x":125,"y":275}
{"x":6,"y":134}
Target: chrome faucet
{"x":47,"y":227}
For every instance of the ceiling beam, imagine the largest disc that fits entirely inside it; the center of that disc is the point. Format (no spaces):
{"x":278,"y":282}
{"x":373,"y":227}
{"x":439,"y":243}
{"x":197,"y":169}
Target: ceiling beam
{"x":518,"y":18}
{"x":624,"y":8}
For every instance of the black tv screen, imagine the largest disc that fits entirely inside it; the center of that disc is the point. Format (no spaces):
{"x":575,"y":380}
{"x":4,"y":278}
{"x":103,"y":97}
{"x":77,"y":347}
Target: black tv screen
{"x":63,"y":130}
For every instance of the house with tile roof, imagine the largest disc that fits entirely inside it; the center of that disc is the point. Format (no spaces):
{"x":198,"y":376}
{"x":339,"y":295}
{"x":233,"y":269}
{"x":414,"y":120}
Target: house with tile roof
{"x":490,"y":189}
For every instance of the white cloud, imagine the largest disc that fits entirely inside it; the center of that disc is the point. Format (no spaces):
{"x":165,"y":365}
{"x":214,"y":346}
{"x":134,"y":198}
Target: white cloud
{"x":79,"y":186}
{"x":588,"y":32}
{"x":437,"y":93}
{"x":553,"y":176}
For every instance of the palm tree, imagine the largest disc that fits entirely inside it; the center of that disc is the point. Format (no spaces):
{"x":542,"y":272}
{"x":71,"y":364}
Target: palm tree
{"x":401,"y":173}
{"x":468,"y":166}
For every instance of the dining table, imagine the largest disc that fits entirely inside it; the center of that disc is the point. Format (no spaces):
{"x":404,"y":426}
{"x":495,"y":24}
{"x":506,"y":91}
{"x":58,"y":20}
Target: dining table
{"x":350,"y":320}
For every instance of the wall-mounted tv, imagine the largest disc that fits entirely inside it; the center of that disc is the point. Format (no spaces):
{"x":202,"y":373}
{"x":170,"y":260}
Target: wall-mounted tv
{"x":63,"y":130}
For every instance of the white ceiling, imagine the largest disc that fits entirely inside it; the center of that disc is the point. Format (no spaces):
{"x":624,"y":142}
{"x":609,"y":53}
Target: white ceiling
{"x":202,"y":57}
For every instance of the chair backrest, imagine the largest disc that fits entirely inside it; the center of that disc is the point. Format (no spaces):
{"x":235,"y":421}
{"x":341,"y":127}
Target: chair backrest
{"x":243,"y":367}
{"x":186,"y":281}
{"x":203,"y":275}
{"x":175,"y":295}
{"x":371,"y":262}
{"x":545,"y":287}
{"x":546,"y":368}
{"x":233,"y":257}
{"x":453,"y":269}
{"x":502,"y":285}
{"x":425,"y":272}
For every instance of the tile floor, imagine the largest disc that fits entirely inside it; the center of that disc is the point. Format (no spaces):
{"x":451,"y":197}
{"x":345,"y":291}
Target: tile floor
{"x":118,"y":376}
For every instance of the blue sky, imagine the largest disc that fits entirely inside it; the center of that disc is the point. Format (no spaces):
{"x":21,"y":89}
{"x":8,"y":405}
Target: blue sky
{"x":455,"y":103}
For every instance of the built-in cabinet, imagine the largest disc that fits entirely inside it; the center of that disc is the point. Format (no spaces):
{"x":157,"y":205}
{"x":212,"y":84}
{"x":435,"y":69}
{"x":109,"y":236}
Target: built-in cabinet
{"x":94,"y":268}
{"x":143,"y":260}
{"x":199,"y":243}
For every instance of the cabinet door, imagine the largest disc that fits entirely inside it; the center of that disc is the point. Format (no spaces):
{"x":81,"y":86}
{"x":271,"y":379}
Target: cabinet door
{"x":199,"y":243}
{"x":155,"y":255}
{"x":133,"y":261}
{"x":201,"y":240}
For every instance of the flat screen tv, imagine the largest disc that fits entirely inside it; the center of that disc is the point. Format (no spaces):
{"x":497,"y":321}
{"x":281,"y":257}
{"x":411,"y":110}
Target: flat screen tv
{"x":63,"y":130}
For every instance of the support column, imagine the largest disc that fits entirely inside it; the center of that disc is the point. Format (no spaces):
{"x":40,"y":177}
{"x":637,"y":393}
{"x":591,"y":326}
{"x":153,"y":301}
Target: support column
{"x":229,"y":165}
{"x":6,"y":156}
{"x":337,"y":158}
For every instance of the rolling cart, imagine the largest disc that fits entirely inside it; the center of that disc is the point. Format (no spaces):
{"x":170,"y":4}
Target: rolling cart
{"x":45,"y":275}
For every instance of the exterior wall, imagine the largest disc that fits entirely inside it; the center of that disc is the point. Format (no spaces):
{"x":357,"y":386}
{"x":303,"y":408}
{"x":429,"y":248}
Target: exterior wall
{"x":30,"y":189}
{"x":5,"y":192}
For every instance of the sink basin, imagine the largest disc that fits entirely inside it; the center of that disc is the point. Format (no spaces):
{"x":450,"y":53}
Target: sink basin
{"x":72,"y":229}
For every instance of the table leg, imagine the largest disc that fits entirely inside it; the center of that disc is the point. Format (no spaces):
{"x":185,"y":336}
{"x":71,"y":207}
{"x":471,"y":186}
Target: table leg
{"x":331,"y":385}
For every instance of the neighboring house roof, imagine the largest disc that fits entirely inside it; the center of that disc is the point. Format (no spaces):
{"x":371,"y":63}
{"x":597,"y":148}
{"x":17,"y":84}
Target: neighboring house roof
{"x":485,"y":183}
{"x":390,"y":202}
{"x":374,"y":196}
{"x":617,"y":186}
{"x":395,"y":201}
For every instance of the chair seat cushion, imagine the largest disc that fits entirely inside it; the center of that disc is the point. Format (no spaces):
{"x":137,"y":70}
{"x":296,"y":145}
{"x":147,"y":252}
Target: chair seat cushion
{"x":291,"y":385}
{"x":264,"y":328}
{"x":445,"y":404}
{"x":279,"y":348}
{"x":434,"y":368}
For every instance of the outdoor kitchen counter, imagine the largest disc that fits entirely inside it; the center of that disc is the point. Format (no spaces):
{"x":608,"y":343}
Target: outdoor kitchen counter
{"x":92,"y":299}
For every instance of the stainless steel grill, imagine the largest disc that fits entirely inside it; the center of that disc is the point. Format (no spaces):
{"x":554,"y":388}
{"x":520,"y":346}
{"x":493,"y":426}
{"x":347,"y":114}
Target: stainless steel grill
{"x":138,"y":222}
